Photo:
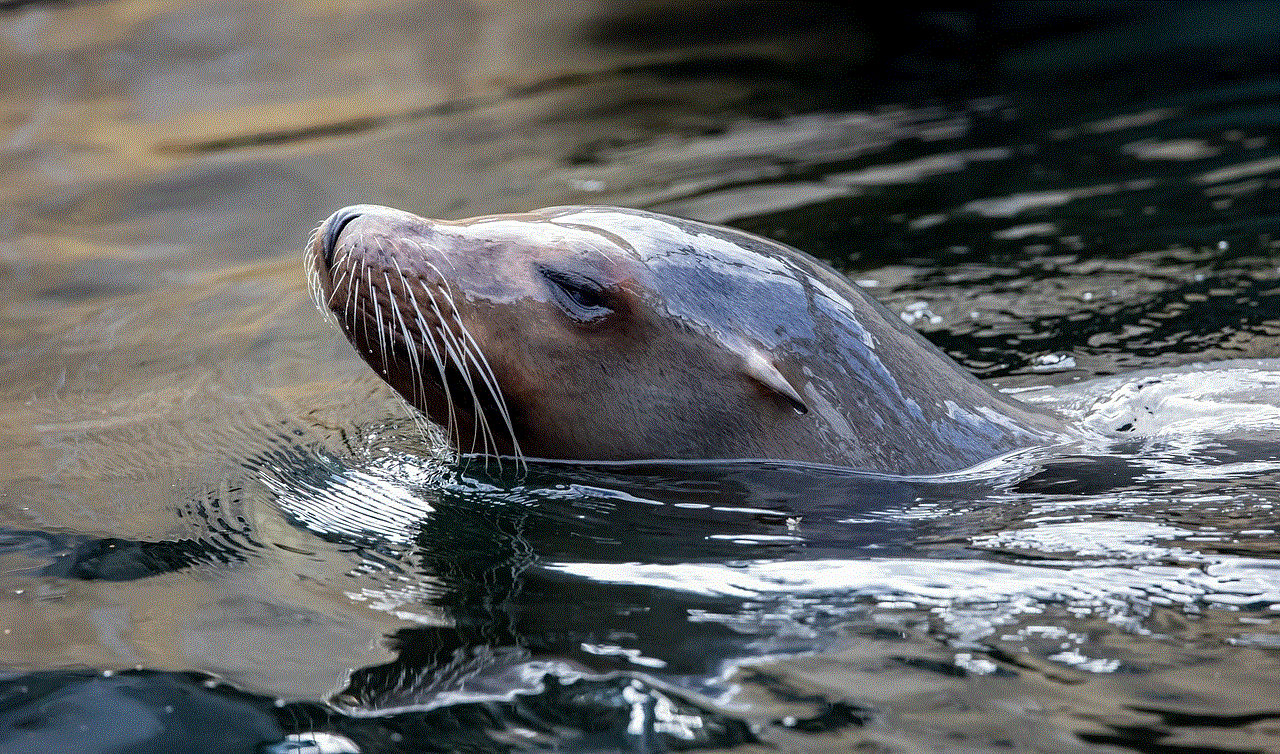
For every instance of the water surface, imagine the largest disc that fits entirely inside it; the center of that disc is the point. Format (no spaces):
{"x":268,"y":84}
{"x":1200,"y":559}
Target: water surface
{"x":220,"y":532}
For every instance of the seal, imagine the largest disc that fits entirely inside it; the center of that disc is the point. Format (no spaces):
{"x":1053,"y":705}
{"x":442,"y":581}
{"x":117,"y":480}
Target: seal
{"x":602,"y":333}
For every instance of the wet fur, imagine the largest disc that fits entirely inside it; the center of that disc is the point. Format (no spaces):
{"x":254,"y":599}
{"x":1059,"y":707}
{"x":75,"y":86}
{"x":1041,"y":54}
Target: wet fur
{"x":718,"y":344}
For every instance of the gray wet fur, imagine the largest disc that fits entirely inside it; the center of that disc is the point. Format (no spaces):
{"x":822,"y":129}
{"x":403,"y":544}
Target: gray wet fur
{"x":717,"y":344}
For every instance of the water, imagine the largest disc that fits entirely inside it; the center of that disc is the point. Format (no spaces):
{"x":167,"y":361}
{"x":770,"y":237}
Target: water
{"x":220,"y":532}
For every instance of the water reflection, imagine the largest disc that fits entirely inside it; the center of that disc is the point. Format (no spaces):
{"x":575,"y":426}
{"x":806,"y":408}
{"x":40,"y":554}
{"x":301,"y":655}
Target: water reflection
{"x":205,"y":494}
{"x":694,"y":577}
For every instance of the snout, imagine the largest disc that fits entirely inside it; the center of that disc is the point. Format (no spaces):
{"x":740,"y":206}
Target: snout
{"x":329,"y":236}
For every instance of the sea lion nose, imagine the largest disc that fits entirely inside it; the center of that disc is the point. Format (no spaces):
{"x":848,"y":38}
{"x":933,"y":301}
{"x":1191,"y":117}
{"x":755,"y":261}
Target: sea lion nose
{"x":333,"y":228}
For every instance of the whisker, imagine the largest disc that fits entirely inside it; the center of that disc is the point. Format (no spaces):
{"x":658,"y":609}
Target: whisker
{"x":454,"y":345}
{"x":380,"y":327}
{"x":426,"y":331}
{"x":429,"y":340}
{"x":359,"y":295}
{"x":341,"y":281}
{"x":481,"y":425}
{"x":415,"y":365}
{"x":418,"y":385}
{"x":448,"y":289}
{"x":358,"y":307}
{"x":485,"y":370}
{"x":442,"y":366}
{"x":476,"y":360}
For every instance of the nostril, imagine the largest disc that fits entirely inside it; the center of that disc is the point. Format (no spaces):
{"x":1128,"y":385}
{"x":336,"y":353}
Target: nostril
{"x":333,"y":228}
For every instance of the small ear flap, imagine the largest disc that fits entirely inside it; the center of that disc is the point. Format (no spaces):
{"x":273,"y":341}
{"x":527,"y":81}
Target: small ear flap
{"x":761,"y":369}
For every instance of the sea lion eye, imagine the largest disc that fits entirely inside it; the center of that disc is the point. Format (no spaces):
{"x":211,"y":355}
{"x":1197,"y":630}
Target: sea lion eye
{"x":580,"y":297}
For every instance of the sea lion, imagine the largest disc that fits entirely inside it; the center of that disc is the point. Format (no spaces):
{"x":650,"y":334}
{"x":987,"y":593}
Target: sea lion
{"x":601,"y":333}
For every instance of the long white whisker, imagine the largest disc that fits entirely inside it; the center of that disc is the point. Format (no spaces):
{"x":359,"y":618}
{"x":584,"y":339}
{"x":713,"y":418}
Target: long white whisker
{"x":341,"y":281}
{"x":448,"y":289}
{"x":485,"y":370}
{"x":357,"y":306}
{"x":429,"y":338}
{"x":487,"y":438}
{"x":418,"y":384}
{"x":479,"y":427}
{"x":430,"y":341}
{"x":379,"y":325}
{"x":424,"y":329}
{"x":456,"y":348}
{"x":415,"y":371}
{"x":355,"y":311}
{"x":478,"y":361}
{"x":360,"y":290}
{"x":481,"y":424}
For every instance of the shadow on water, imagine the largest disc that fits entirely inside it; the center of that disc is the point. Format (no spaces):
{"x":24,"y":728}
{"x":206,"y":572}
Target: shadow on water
{"x":218,"y":531}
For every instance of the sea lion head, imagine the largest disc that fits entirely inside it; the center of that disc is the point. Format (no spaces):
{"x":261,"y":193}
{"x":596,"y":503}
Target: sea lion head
{"x":599,"y":333}
{"x":570,"y":332}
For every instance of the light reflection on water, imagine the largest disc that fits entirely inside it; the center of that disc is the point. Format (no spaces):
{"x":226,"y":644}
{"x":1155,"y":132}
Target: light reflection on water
{"x":1066,"y":546}
{"x":200,"y":478}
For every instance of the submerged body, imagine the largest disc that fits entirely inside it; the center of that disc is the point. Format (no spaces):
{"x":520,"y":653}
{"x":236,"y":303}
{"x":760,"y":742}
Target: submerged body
{"x":599,"y":333}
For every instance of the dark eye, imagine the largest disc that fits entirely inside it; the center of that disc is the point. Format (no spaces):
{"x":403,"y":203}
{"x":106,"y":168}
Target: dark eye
{"x":579,"y":296}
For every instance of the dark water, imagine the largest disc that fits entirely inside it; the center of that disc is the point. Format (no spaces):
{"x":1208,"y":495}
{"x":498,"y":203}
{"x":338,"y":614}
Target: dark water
{"x":219,"y":532}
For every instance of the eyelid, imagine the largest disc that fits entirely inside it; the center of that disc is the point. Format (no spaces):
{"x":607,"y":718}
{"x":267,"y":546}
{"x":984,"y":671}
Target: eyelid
{"x":571,"y":279}
{"x":567,"y":290}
